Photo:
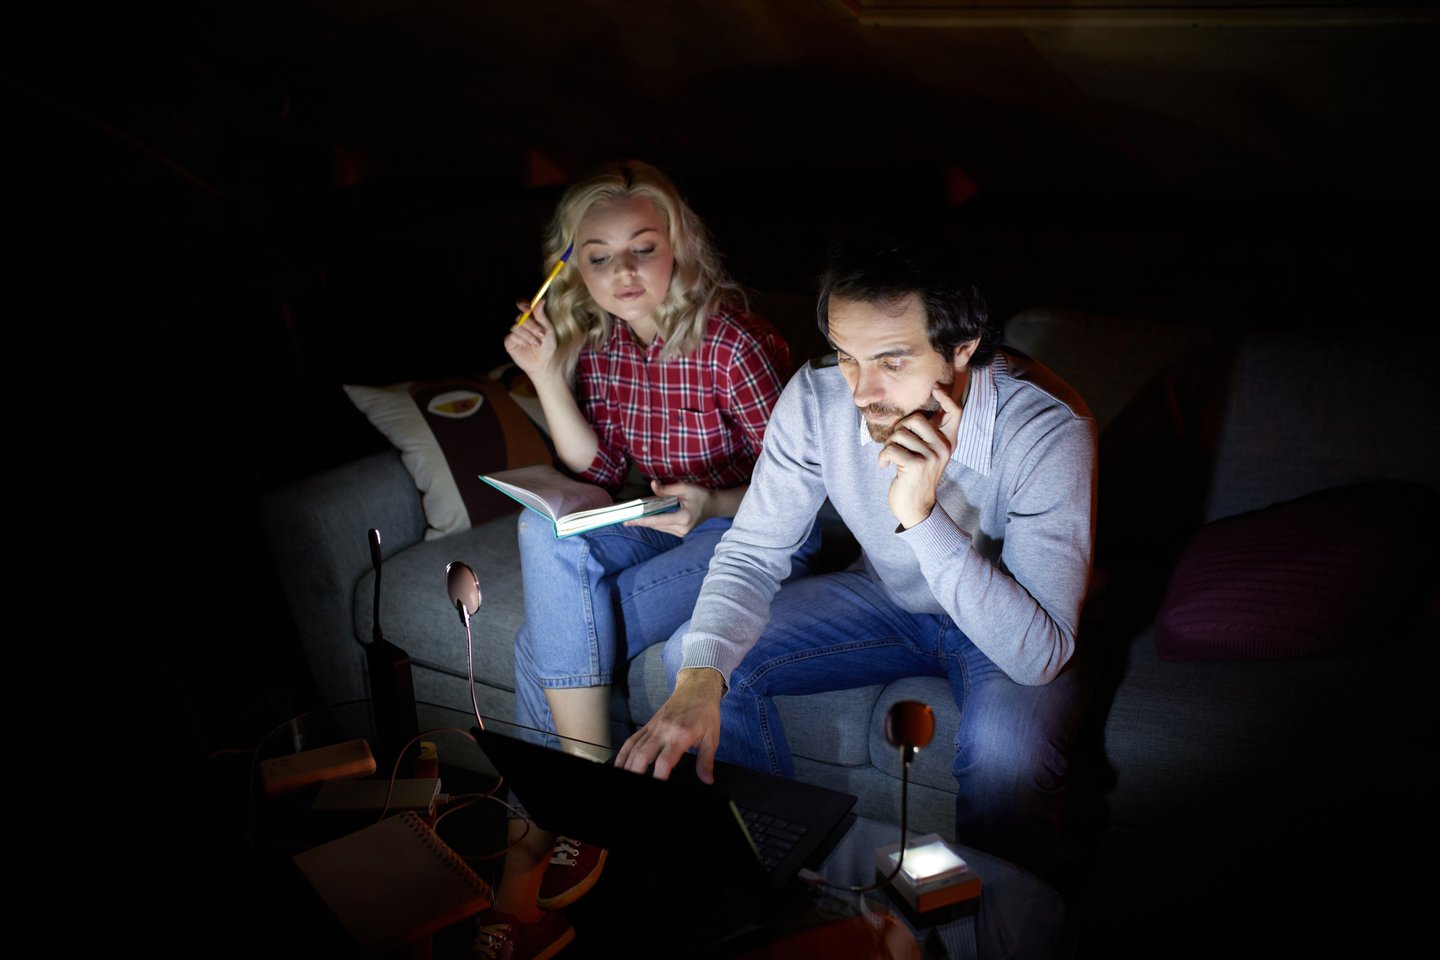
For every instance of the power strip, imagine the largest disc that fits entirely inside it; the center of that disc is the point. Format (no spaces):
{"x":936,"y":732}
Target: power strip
{"x":369,"y":796}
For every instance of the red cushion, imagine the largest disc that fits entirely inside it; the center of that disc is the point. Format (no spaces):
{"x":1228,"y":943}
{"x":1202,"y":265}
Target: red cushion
{"x":1328,"y":573}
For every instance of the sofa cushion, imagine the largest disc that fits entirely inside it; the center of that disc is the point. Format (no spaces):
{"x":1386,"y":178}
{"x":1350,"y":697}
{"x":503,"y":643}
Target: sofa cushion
{"x":1320,"y":574}
{"x":417,"y":615}
{"x":832,"y":727}
{"x":449,"y":432}
{"x":1198,"y":742}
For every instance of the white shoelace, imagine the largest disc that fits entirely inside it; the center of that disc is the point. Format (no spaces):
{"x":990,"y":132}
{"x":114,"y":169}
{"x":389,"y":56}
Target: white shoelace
{"x":567,"y":852}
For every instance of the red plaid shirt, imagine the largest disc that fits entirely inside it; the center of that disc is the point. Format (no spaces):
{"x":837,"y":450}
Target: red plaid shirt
{"x":697,"y":418}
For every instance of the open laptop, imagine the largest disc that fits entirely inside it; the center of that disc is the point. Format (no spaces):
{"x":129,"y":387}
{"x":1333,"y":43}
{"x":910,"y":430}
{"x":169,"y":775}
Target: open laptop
{"x":745,"y":837}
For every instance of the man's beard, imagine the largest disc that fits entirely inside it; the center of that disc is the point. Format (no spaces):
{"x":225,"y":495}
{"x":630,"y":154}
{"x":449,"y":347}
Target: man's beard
{"x":880,"y":432}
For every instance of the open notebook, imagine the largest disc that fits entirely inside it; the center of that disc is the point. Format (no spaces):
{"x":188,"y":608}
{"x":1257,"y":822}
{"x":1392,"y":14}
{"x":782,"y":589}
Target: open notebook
{"x":750,"y":833}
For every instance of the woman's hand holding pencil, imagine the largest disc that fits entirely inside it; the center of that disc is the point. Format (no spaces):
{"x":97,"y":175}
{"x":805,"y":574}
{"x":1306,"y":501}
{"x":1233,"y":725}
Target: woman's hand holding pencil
{"x":531,"y":345}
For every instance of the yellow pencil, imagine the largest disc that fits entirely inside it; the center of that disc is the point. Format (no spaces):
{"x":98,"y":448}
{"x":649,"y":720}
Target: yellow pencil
{"x":554,"y":272}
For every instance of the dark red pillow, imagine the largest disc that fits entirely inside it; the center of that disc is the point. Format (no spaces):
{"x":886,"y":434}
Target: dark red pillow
{"x":1328,"y":573}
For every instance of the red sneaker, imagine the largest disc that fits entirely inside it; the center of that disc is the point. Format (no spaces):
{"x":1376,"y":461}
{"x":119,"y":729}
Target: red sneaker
{"x":499,"y":936}
{"x":574,"y":868}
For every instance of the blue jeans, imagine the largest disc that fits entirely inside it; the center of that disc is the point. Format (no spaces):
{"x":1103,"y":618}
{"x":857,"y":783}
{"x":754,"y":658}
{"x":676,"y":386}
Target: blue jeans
{"x":837,"y":631}
{"x":597,"y":596}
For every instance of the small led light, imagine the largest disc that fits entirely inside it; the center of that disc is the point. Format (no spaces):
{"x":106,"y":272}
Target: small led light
{"x":929,"y":862}
{"x":932,"y":875}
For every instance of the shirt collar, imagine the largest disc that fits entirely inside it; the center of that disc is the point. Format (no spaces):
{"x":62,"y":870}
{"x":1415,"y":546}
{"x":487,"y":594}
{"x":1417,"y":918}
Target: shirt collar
{"x":976,"y":439}
{"x":622,"y":340}
{"x":977,"y":424}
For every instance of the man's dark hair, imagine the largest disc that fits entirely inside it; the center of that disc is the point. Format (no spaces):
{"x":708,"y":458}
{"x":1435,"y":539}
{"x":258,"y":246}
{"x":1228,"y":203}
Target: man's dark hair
{"x":882,"y":265}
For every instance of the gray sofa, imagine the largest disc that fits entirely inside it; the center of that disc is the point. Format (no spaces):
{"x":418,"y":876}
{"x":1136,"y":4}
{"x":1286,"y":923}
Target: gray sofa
{"x":1208,"y":792}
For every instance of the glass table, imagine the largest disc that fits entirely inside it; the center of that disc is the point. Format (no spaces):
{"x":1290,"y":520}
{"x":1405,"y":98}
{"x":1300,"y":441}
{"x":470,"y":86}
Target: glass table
{"x":642,"y":910}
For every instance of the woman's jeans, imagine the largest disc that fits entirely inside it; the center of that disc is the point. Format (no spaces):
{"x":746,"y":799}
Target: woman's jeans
{"x":838,"y":631}
{"x":595,"y":600}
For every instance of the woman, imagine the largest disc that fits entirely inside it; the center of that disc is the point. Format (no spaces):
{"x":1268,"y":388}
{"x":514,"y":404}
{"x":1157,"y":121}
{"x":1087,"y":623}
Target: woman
{"x":645,"y":358}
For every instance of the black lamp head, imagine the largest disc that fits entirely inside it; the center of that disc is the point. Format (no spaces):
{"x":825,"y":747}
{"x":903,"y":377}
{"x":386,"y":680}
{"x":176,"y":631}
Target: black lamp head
{"x":464,"y":589}
{"x":909,"y":725}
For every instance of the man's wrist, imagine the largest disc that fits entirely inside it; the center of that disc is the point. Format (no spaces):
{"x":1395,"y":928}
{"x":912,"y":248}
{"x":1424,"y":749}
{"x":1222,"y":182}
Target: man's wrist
{"x":703,"y":679}
{"x":907,"y":524}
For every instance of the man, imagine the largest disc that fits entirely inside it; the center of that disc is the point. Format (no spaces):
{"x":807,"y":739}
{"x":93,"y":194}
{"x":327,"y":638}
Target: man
{"x":968,"y":479}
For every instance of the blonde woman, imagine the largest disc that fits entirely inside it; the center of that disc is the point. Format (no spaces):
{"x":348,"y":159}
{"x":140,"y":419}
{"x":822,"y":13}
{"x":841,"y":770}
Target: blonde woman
{"x":644,"y":355}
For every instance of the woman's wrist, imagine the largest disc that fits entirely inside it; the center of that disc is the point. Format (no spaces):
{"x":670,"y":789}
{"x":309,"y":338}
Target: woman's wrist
{"x":724,"y":503}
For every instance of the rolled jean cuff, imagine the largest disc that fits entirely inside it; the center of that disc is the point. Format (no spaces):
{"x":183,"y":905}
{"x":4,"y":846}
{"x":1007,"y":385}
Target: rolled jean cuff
{"x":567,"y":683}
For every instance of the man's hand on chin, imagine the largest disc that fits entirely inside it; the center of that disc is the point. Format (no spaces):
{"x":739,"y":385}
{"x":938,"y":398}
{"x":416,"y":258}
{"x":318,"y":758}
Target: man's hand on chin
{"x":690,"y":718}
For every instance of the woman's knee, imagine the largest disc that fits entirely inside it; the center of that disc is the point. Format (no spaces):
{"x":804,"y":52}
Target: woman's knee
{"x":540,"y":552}
{"x":527,"y":532}
{"x":673,"y":655}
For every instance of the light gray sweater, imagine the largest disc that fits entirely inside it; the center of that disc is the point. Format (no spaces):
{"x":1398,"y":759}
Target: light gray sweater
{"x":1006,"y":552}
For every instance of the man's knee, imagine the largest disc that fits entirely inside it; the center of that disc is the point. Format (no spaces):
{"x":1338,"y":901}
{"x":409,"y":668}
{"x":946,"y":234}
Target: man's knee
{"x":1016,"y":742}
{"x":1010,"y":766}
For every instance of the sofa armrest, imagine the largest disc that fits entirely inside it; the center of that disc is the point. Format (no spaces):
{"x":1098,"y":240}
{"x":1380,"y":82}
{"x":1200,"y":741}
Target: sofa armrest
{"x":317,"y":529}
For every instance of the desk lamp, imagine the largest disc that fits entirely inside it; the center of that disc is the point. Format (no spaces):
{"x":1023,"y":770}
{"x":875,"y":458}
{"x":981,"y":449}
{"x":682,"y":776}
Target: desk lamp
{"x":930,"y":865}
{"x":464,"y":589}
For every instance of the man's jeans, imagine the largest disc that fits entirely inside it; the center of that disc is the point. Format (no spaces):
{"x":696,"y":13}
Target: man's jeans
{"x":837,"y":631}
{"x":600,"y":595}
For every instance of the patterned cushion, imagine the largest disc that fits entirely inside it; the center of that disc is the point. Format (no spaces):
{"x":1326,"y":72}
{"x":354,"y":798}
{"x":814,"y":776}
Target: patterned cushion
{"x":449,"y":432}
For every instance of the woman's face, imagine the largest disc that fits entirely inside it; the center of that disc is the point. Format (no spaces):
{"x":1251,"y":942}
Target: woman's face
{"x":625,"y":258}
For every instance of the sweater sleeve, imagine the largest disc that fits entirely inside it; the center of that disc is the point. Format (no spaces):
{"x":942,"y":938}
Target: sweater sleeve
{"x":753,"y":557}
{"x":1023,"y":611}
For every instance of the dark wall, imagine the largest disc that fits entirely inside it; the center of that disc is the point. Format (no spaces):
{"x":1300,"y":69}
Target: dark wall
{"x":248,"y":248}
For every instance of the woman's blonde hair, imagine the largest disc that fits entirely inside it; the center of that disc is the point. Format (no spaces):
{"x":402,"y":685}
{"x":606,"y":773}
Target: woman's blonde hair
{"x":698,"y":285}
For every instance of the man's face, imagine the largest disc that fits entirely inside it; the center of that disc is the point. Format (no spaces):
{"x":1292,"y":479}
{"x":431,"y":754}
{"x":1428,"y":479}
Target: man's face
{"x":885,"y":355}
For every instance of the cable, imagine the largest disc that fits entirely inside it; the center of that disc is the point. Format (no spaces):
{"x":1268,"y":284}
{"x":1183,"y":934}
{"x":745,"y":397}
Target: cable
{"x":909,"y":725}
{"x":519,"y":815}
{"x":816,"y":880}
{"x":454,"y":803}
{"x":470,"y":666}
{"x":400,"y":757}
{"x":250,"y":838}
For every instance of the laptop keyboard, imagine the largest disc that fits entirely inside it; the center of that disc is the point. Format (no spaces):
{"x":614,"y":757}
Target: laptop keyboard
{"x":774,"y":837}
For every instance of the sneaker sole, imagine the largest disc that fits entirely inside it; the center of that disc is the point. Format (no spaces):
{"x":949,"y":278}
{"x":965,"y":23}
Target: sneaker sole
{"x":575,"y":892}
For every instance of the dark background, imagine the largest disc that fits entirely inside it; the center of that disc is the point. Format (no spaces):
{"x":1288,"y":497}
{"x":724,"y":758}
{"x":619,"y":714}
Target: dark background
{"x":236,"y":207}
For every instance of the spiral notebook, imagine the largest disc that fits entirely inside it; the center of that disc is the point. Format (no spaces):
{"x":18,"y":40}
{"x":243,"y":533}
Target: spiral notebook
{"x":393,"y":882}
